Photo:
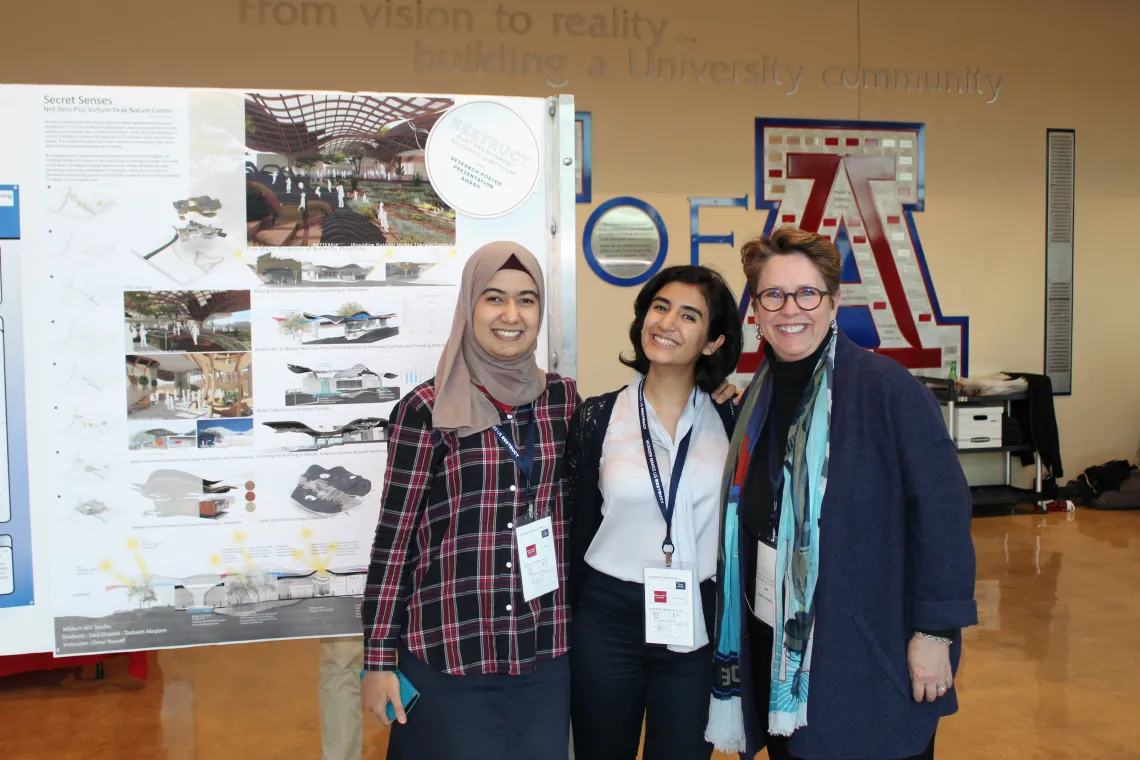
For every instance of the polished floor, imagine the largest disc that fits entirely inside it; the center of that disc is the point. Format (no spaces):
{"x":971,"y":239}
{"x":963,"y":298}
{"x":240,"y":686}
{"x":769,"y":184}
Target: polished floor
{"x":1052,"y":672}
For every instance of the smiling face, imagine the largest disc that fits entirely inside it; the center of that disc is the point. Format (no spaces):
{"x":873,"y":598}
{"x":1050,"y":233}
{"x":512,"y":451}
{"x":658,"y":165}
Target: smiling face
{"x":676,"y":327}
{"x":793,"y":332}
{"x":507,"y":315}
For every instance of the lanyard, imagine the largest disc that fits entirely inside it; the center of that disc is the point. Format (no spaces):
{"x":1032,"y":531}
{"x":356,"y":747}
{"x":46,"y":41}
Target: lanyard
{"x":775,"y":474}
{"x":525,"y":460}
{"x":666,"y":507}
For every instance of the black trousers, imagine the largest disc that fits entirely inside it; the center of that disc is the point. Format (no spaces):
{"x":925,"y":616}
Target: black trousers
{"x":617,"y":680}
{"x":485,"y":717}
{"x":760,"y":643}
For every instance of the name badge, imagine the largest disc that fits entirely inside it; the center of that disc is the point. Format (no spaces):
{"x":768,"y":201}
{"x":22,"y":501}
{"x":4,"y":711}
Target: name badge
{"x":764,"y":604}
{"x":538,"y":563}
{"x":669,"y":606}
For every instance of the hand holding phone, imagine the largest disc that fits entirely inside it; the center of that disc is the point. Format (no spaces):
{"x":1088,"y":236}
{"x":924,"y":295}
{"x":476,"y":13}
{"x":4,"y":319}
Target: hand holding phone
{"x":389,"y":695}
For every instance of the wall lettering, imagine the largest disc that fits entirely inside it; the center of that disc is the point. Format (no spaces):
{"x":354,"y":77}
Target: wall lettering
{"x":656,"y":51}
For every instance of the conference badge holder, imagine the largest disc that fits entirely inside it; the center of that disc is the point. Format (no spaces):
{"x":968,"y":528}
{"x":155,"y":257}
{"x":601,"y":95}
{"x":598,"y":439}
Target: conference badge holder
{"x":538,"y":562}
{"x":670,"y":603}
{"x":764,"y":601}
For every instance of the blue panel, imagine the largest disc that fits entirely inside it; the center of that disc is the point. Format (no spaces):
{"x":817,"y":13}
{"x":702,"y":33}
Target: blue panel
{"x":587,"y":194}
{"x":9,"y":212}
{"x":858,"y":324}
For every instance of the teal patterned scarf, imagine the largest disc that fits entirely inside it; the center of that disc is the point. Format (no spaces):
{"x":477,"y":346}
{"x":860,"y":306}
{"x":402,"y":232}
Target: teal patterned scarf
{"x":797,"y":557}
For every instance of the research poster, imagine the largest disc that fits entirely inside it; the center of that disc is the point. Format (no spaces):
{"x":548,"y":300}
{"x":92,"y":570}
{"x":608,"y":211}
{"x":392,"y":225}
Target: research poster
{"x":238,"y":286}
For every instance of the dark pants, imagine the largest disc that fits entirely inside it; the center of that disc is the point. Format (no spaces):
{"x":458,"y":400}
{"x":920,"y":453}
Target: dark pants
{"x":618,"y":680}
{"x":760,"y":644}
{"x":485,"y":717}
{"x":778,"y":750}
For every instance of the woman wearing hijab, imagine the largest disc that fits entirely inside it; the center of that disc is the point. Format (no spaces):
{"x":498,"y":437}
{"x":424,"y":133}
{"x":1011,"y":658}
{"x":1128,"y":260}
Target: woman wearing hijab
{"x":846,"y":566}
{"x":464,"y":590}
{"x":643,"y":470}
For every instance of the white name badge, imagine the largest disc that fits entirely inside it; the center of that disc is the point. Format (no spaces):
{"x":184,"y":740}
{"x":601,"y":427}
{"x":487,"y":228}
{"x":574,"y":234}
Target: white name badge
{"x":538,"y":563}
{"x":669,"y":606}
{"x":764,"y":604}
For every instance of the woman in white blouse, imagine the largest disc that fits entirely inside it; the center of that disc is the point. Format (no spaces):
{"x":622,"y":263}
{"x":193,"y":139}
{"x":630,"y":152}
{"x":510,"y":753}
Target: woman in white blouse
{"x":643,"y":466}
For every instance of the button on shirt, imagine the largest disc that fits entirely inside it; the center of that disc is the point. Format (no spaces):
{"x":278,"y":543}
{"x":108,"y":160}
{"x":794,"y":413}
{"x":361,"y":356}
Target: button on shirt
{"x":632,"y":526}
{"x":443,"y":579}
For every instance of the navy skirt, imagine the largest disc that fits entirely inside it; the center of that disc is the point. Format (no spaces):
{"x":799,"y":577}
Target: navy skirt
{"x":485,"y":717}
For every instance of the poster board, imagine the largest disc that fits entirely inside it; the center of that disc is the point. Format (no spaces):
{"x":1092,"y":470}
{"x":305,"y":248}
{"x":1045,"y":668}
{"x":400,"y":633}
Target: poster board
{"x":215,"y":299}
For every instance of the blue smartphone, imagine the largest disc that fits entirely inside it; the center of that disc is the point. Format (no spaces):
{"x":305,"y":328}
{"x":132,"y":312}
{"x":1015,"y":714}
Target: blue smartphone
{"x":409,"y":694}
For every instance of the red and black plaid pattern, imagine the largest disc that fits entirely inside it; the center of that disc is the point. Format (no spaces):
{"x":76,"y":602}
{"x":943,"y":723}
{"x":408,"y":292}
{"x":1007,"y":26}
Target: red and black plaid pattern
{"x":444,"y":577}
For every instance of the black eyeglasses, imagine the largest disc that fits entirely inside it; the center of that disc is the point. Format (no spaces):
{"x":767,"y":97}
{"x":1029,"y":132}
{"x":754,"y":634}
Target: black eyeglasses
{"x":808,"y":299}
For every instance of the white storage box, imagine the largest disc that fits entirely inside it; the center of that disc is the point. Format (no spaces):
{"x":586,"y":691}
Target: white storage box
{"x":976,"y":427}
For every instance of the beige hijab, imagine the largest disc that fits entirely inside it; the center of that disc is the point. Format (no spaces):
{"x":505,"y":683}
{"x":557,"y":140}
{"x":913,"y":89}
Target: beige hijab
{"x":459,"y":404}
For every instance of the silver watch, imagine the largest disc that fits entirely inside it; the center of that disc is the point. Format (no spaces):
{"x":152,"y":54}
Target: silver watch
{"x":939,"y":639}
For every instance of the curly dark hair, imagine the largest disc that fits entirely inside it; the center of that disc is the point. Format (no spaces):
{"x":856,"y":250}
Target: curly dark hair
{"x":723,"y":319}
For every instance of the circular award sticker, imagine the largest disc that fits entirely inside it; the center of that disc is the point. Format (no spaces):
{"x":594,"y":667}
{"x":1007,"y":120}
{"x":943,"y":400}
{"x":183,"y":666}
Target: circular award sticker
{"x":482,"y":159}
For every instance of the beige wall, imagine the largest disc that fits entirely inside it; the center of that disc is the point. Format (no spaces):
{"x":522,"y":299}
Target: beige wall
{"x":1063,"y":64}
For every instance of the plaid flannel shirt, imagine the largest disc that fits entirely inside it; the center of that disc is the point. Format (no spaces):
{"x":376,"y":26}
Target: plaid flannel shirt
{"x":444,"y":579}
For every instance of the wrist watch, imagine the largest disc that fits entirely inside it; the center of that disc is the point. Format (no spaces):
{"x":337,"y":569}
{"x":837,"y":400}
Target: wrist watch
{"x":932,"y":637}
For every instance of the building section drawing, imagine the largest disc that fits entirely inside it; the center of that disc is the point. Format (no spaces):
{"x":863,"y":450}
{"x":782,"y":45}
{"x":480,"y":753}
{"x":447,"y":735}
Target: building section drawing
{"x":366,"y":268}
{"x":178,"y":493}
{"x":342,"y":171}
{"x":293,"y":271}
{"x":860,"y":183}
{"x":338,"y":329}
{"x":185,"y":386}
{"x":329,"y":492}
{"x":187,"y":321}
{"x":331,"y":384}
{"x":444,"y":270}
{"x":299,"y":436}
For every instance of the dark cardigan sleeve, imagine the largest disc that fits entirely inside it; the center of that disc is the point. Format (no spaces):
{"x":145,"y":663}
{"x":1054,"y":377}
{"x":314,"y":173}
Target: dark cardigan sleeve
{"x":939,"y":506}
{"x":582,"y":498}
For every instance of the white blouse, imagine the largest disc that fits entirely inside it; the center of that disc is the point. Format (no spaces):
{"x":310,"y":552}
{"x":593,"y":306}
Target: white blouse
{"x":633,"y":528}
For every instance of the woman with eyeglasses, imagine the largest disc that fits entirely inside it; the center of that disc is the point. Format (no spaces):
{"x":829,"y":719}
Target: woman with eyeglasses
{"x":846,"y":568}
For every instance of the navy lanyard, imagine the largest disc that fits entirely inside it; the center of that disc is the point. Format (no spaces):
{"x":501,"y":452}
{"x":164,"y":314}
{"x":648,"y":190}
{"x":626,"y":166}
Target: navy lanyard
{"x":666,"y":507}
{"x":775,"y":475}
{"x":525,"y":460}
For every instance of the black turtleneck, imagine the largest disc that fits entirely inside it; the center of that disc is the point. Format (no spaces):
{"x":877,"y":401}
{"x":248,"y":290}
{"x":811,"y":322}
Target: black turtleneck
{"x":789,"y":380}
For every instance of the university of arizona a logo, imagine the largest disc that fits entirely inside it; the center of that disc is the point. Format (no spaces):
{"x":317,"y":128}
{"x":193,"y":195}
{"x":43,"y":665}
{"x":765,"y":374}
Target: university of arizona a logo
{"x":860,"y":183}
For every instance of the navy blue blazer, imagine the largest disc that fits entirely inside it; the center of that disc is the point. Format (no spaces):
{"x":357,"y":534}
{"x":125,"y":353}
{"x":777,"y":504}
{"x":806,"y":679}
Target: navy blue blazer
{"x":896,"y":554}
